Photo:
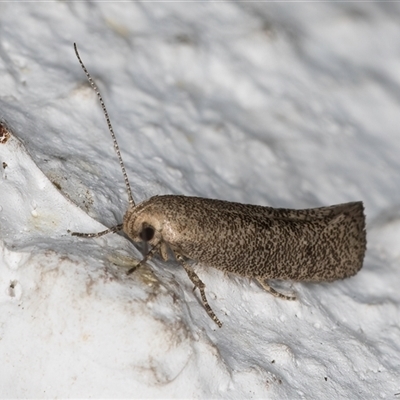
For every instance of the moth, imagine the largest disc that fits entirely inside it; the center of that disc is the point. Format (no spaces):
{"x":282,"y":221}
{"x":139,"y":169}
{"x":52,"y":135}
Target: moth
{"x":312,"y":245}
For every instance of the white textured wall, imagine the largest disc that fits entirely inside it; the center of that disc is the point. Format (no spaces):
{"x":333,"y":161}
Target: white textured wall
{"x":288,"y":105}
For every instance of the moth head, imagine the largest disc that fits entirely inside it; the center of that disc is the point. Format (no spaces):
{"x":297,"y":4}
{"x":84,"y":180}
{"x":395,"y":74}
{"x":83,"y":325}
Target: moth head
{"x":143,"y":225}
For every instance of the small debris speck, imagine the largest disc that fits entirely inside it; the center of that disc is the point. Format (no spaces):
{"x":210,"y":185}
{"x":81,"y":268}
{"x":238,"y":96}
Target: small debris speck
{"x":4,"y":134}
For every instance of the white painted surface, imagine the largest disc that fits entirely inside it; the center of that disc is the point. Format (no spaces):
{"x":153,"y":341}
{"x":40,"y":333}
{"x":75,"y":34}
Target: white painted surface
{"x":288,"y":105}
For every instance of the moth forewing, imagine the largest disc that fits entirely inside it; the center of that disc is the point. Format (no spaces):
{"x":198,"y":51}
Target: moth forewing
{"x":318,"y":244}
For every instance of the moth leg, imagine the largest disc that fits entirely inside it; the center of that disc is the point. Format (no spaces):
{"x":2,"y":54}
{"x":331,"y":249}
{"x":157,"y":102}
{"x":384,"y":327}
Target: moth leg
{"x":271,"y":290}
{"x":197,"y":282}
{"x":98,"y":234}
{"x":164,"y":251}
{"x":147,"y":257}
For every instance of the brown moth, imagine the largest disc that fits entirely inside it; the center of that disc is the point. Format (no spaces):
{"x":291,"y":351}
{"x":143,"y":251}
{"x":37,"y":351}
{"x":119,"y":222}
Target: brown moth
{"x":313,"y":245}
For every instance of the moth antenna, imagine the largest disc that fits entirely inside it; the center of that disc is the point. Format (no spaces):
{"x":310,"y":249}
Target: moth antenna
{"x":110,"y":128}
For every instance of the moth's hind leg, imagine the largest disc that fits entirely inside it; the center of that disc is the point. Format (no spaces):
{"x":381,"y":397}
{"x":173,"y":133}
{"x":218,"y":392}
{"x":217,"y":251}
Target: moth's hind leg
{"x":268,"y":288}
{"x":197,"y":282}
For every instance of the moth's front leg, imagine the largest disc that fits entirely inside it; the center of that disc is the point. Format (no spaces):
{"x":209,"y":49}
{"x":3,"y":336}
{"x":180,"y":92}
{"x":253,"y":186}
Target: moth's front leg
{"x":146,"y":258}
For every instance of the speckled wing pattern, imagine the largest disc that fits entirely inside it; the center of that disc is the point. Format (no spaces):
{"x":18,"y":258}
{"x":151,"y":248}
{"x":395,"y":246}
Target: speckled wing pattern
{"x":319,"y":244}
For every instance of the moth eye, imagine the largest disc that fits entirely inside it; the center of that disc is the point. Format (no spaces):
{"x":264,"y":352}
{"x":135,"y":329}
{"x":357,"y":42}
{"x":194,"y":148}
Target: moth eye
{"x":147,"y":233}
